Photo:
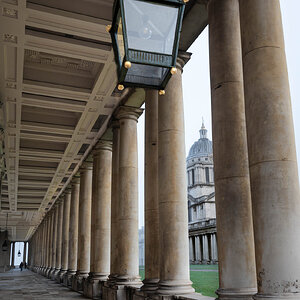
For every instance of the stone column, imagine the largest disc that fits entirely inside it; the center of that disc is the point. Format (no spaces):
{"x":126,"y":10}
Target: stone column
{"x":205,"y":248}
{"x":60,"y":208}
{"x":232,"y":184}
{"x":101,"y":219}
{"x":151,"y":193}
{"x":172,"y":187}
{"x":272,"y":154}
{"x":114,"y":202}
{"x":24,"y":252}
{"x":191,"y":250}
{"x":197,"y":249}
{"x":128,"y":246}
{"x":46,"y":244}
{"x":73,"y":231}
{"x":13,"y":255}
{"x":43,"y":248}
{"x":215,"y":248}
{"x":84,"y":227}
{"x":65,"y":234}
{"x":54,"y":240}
{"x":49,"y":255}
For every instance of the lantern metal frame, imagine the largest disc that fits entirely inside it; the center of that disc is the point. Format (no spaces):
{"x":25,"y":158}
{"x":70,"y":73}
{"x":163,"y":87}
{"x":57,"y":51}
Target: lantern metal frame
{"x":144,"y":57}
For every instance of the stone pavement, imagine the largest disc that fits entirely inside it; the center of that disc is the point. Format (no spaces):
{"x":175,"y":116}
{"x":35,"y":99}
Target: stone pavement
{"x":17,"y":285}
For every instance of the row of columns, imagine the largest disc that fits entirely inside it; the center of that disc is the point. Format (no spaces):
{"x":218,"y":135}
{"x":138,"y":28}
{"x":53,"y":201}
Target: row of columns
{"x":256,"y":179}
{"x":203,"y":249}
{"x":89,"y":239}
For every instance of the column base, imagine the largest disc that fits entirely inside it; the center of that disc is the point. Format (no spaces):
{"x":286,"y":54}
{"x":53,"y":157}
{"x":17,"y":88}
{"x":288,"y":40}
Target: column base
{"x":50,"y":273}
{"x":92,"y":287}
{"x":174,"y":287}
{"x":67,"y":278}
{"x":59,"y":276}
{"x":54,"y":274}
{"x":285,"y":296}
{"x":150,"y":285}
{"x":77,"y":281}
{"x":47,"y":272}
{"x":231,"y":294}
{"x":128,"y":281}
{"x":43,"y":271}
{"x":118,"y":292}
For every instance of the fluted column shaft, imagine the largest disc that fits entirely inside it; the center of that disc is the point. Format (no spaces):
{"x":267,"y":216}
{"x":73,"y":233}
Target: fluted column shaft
{"x":114,"y":202}
{"x":73,"y":228}
{"x":172,"y":187}
{"x":101,"y":211}
{"x":231,"y":171}
{"x":128,"y":247}
{"x":272,"y":154}
{"x":151,"y":192}
{"x":84,"y":229}
{"x":65,"y":231}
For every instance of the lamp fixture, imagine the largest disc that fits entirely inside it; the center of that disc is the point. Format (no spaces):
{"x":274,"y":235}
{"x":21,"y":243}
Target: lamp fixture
{"x":145,"y":37}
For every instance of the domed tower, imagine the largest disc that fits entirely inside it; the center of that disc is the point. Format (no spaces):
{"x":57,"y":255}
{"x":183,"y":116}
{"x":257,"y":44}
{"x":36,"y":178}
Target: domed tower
{"x":201,"y":201}
{"x":200,"y":169}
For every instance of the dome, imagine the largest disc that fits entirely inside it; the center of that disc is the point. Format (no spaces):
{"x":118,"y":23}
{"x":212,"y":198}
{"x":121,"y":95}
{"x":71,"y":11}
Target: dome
{"x":203,"y":147}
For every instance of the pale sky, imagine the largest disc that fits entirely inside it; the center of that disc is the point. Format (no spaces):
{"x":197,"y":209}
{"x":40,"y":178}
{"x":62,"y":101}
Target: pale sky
{"x":196,"y":89}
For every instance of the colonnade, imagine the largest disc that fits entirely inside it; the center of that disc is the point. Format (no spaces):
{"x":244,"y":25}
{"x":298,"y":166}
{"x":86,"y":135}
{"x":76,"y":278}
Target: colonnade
{"x":256,"y":180}
{"x":203,"y":249}
{"x":88,"y":241}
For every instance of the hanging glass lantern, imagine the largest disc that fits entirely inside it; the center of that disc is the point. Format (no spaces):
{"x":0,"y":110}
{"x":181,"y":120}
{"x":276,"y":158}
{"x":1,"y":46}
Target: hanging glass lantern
{"x":145,"y":37}
{"x":19,"y":253}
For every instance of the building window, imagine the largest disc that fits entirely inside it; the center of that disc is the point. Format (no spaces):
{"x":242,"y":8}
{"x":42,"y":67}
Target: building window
{"x":193,"y":176}
{"x":207,"y":174}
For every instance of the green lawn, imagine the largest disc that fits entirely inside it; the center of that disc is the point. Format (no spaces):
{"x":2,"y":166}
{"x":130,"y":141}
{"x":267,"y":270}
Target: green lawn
{"x":205,"y":283}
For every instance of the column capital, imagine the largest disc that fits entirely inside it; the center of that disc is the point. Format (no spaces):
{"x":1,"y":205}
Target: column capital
{"x":128,"y":112}
{"x":182,"y":58}
{"x":76,"y":178}
{"x":87,"y":164}
{"x":59,"y":200}
{"x":68,"y":189}
{"x":102,"y":145}
{"x":114,"y":123}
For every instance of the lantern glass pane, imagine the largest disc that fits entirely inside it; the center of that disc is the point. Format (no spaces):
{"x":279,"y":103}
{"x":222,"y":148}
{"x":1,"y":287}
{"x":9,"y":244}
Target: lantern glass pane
{"x":120,"y":41}
{"x":150,"y":26}
{"x":146,"y":74}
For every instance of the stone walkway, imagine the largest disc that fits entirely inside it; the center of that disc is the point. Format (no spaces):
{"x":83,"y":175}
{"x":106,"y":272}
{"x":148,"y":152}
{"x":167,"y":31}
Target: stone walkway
{"x":17,"y":285}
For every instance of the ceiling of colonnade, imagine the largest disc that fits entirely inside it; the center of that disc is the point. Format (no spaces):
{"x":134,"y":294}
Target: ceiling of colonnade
{"x":58,"y":92}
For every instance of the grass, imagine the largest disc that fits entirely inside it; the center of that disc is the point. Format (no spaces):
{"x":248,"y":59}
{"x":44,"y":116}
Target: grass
{"x":205,"y":283}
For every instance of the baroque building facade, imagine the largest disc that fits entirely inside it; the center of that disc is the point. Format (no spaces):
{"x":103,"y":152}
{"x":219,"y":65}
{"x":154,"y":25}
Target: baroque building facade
{"x":201,"y":202}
